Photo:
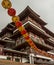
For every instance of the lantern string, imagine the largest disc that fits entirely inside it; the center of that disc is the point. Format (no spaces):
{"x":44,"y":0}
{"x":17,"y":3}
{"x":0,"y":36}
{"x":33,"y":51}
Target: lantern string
{"x":16,"y":19}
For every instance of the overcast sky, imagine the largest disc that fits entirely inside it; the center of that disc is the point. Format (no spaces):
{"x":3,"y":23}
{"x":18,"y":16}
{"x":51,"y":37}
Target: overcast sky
{"x":45,"y":8}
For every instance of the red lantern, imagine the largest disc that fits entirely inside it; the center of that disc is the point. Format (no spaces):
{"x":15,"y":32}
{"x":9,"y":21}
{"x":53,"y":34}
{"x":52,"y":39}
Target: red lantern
{"x":11,"y":12}
{"x":18,"y":24}
{"x":23,"y":32}
{"x":27,"y":37}
{"x":31,"y":41}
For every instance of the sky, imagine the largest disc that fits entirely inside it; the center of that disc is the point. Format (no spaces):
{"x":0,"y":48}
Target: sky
{"x":44,"y":8}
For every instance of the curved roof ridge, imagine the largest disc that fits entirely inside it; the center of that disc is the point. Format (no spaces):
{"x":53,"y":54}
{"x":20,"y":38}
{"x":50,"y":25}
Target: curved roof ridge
{"x":29,"y":12}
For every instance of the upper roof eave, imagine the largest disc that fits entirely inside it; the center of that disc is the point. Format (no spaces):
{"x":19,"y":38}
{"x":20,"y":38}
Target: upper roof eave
{"x":29,"y":12}
{"x":48,"y":31}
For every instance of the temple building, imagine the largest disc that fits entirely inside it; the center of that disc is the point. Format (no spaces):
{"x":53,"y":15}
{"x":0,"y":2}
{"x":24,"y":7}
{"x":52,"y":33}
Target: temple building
{"x":13,"y":46}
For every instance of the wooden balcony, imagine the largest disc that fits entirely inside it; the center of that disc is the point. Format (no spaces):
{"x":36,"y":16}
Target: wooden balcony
{"x":50,"y":42}
{"x":31,"y":27}
{"x":36,"y":30}
{"x":22,"y":44}
{"x":42,"y":46}
{"x":9,"y":62}
{"x":40,"y":43}
{"x":8,"y":41}
{"x":6,"y":50}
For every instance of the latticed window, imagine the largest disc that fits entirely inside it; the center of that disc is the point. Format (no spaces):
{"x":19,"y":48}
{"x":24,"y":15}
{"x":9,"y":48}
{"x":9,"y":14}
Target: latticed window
{"x":17,"y":59}
{"x":20,"y":40}
{"x":42,"y":41}
{"x":34,"y":37}
{"x":37,"y":39}
{"x":6,"y":35}
{"x":8,"y":58}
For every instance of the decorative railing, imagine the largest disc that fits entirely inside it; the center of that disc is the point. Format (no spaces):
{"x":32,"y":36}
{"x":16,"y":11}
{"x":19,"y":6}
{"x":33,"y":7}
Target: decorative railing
{"x":6,"y":60}
{"x":36,"y":39}
{"x":20,"y":41}
{"x":39,"y":41}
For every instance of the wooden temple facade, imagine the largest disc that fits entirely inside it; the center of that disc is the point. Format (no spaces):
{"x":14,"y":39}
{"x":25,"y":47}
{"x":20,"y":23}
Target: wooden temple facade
{"x":13,"y":46}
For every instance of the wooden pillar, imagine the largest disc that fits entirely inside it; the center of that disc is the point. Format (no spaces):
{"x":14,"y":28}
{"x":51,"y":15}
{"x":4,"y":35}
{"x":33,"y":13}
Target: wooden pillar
{"x":21,"y":59}
{"x":12,"y":56}
{"x":1,"y":50}
{"x":31,"y":58}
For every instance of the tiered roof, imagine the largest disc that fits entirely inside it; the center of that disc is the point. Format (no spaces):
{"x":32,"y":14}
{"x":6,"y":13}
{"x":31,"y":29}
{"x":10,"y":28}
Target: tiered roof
{"x":30,"y":26}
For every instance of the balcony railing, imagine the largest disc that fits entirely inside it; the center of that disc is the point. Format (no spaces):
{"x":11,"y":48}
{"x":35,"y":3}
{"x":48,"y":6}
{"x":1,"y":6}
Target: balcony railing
{"x":37,"y":40}
{"x":7,"y":60}
{"x":51,"y":38}
{"x":20,"y":41}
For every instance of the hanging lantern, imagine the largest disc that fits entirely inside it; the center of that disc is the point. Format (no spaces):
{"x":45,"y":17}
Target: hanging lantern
{"x":11,"y":12}
{"x":18,"y":24}
{"x":23,"y":32}
{"x":21,"y":28}
{"x":25,"y":35}
{"x":6,"y":4}
{"x":15,"y":18}
{"x":29,"y":40}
